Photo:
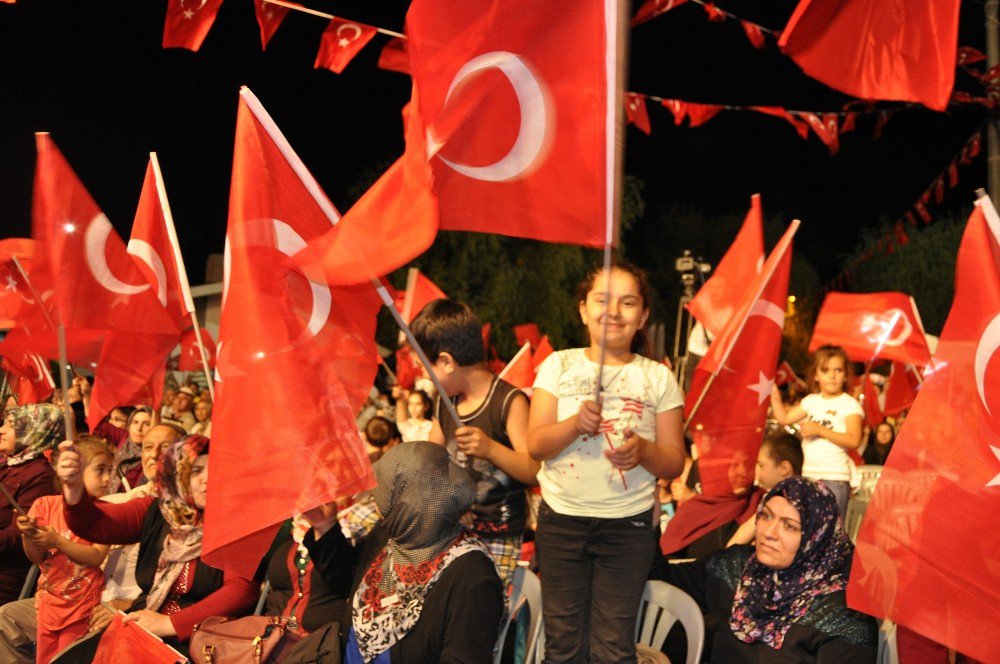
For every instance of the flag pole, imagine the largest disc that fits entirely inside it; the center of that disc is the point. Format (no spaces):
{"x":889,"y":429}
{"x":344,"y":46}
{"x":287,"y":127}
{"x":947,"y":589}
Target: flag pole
{"x":68,"y":418}
{"x":385,"y":366}
{"x":793,"y":228}
{"x":182,"y":277}
{"x":300,"y":8}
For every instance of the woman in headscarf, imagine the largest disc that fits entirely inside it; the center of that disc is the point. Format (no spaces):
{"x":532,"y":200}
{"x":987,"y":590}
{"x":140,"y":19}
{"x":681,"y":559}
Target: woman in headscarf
{"x":27,"y":433}
{"x":179,"y":590}
{"x":426,"y":590}
{"x":128,"y":457}
{"x":784,"y":600}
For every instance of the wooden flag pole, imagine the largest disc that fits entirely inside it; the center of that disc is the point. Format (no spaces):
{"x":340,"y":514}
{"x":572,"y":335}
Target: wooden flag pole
{"x":300,"y":8}
{"x":68,"y":418}
{"x":182,"y":277}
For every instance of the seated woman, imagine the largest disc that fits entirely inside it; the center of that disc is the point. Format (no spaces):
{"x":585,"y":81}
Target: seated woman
{"x":785,"y":600}
{"x":425,"y":589}
{"x":27,"y":433}
{"x":127,"y":469}
{"x":179,"y":589}
{"x":203,"y":417}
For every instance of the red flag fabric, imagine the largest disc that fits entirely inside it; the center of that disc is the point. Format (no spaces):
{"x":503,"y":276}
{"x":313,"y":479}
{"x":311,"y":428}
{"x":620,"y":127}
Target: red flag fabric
{"x":486,"y":336}
{"x":873,"y":411}
{"x":190,"y":358}
{"x":394,"y":56}
{"x":753,"y":33}
{"x":902,"y":389}
{"x":801,"y":128}
{"x":520,"y":371}
{"x":542,"y":351}
{"x":131,"y":643}
{"x":872,"y":49}
{"x":636,"y":113}
{"x":872,"y":325}
{"x":188,"y":22}
{"x":33,"y":380}
{"x":786,"y":374}
{"x":653,"y":8}
{"x":406,"y":368}
{"x":530,"y":160}
{"x":11,"y":298}
{"x":341,"y":41}
{"x":420,"y":291}
{"x":392,"y":223}
{"x":926,"y":551}
{"x":717,"y":299}
{"x":528,"y":332}
{"x":269,"y":18}
{"x":285,"y":339}
{"x":731,"y":390}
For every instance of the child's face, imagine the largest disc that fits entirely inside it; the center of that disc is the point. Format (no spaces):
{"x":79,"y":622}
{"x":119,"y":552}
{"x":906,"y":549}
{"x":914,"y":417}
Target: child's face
{"x":415,"y":406}
{"x":768,"y":472}
{"x":623,"y":307}
{"x":97,"y":475}
{"x":831,"y":376}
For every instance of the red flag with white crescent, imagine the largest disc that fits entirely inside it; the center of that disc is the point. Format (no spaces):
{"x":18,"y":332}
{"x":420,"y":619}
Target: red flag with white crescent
{"x":872,"y":325}
{"x":190,"y":358}
{"x":653,"y":8}
{"x":33,"y":380}
{"x":341,"y":41}
{"x":926,"y":555}
{"x":285,"y":339}
{"x":269,"y":18}
{"x":636,"y":113}
{"x":188,"y":22}
{"x":726,"y":414}
{"x":11,"y":286}
{"x":529,"y":159}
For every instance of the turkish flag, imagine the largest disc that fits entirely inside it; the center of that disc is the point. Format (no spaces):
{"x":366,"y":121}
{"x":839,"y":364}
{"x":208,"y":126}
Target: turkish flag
{"x":718,"y":298}
{"x":653,"y":8}
{"x":542,"y":351}
{"x":926,"y":555}
{"x":872,"y":49}
{"x":535,"y":153}
{"x":188,"y":22}
{"x":394,"y":56}
{"x":285,"y":339}
{"x":904,"y":383}
{"x":269,"y":18}
{"x":873,"y":411}
{"x":11,"y":295}
{"x":341,"y":41}
{"x":520,"y":371}
{"x":528,"y":332}
{"x":33,"y":381}
{"x":636,"y":113}
{"x":731,"y":390}
{"x":190,"y":358}
{"x":420,"y":291}
{"x":406,"y":368}
{"x":786,"y":374}
{"x":131,"y":643}
{"x":392,"y":223}
{"x":872,"y":325}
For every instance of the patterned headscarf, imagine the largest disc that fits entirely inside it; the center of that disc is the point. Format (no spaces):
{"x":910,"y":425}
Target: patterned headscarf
{"x":768,"y":601}
{"x":421,"y":495}
{"x":37,"y":427}
{"x":183,"y":542}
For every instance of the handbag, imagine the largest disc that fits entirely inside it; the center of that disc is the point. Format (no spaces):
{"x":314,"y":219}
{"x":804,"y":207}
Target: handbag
{"x":249,"y":640}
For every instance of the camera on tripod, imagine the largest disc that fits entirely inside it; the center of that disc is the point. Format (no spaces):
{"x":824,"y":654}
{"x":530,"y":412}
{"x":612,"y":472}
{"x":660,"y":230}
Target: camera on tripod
{"x":688,"y":263}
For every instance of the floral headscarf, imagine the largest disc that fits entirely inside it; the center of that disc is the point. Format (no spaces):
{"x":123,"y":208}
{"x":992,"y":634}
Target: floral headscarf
{"x":768,"y":601}
{"x":183,"y":542}
{"x":37,"y":427}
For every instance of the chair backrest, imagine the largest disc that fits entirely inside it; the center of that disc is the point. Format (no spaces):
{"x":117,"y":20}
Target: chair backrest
{"x":526,"y":590}
{"x":869,"y":478}
{"x":856,"y":509}
{"x":265,"y":590}
{"x":663,"y":605}
{"x":887,"y":650}
{"x":30,"y":582}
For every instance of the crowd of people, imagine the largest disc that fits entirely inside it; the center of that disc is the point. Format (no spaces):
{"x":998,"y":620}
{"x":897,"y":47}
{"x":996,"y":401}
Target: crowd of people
{"x":587,"y":479}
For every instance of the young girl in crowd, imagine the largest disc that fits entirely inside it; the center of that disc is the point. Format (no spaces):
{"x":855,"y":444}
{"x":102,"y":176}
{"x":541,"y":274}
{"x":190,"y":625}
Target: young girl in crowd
{"x":600,"y":461}
{"x":412,"y":414}
{"x":70,"y":577}
{"x":830,"y":422}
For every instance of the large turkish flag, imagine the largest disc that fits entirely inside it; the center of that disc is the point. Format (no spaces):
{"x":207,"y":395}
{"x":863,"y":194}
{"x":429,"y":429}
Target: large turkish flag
{"x":872,"y":325}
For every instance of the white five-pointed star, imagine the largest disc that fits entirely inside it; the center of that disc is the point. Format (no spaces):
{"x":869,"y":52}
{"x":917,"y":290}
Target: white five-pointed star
{"x":11,"y":283}
{"x":344,"y":42}
{"x":188,"y":14}
{"x":996,"y":480}
{"x":762,"y":387}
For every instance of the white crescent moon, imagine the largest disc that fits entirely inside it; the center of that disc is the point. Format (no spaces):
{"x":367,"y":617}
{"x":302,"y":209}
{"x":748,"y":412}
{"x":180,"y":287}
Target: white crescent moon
{"x":770,"y":311}
{"x":532,"y":134}
{"x":35,"y":362}
{"x":218,"y":363}
{"x":988,"y":344}
{"x":144,"y":251}
{"x":95,"y":240}
{"x":200,"y":7}
{"x":356,"y":28}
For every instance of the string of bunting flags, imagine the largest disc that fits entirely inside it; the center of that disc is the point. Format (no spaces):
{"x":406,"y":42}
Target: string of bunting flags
{"x":754,"y":31}
{"x":897,"y":236}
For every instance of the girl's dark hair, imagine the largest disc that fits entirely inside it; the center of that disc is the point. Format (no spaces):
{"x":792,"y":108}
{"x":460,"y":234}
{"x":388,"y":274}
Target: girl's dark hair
{"x":427,"y":402}
{"x":640,"y":342}
{"x":822,"y":355}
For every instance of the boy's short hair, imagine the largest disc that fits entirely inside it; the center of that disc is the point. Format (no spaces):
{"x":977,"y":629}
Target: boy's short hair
{"x":447,"y":326}
{"x":783,"y":446}
{"x":380,"y":431}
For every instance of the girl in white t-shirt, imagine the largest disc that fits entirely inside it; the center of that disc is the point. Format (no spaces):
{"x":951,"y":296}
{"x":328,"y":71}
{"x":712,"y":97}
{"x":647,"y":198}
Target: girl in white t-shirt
{"x":600,"y":461}
{"x":830,"y":422}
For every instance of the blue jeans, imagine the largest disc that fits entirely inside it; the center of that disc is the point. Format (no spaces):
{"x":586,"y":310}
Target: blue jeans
{"x":593,"y":573}
{"x":842,"y":492}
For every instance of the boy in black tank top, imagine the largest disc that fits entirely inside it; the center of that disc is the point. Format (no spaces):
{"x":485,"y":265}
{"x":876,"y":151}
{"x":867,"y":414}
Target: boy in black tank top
{"x":491,"y":441}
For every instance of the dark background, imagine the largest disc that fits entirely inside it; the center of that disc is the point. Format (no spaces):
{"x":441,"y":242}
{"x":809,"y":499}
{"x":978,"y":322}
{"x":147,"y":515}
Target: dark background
{"x":92,"y":73}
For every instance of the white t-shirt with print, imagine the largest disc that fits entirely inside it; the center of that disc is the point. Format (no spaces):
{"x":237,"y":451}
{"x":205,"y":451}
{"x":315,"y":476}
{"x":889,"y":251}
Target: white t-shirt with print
{"x":825,"y":460}
{"x":580,"y":481}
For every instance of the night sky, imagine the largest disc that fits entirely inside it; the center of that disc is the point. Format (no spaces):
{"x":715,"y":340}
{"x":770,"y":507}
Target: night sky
{"x":93,"y":73}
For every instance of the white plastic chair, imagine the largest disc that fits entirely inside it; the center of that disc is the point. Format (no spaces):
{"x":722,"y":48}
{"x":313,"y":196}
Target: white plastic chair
{"x":663,"y":605}
{"x":869,"y":475}
{"x":526,"y":589}
{"x":888,"y":653}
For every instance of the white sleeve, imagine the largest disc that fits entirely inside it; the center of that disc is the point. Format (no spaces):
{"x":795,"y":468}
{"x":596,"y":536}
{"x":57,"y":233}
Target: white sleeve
{"x":548,"y":374}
